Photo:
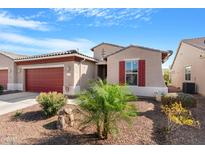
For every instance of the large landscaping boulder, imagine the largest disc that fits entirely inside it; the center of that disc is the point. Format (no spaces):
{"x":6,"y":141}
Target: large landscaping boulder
{"x":65,"y":118}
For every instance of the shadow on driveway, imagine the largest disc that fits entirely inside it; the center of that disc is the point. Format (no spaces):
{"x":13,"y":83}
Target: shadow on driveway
{"x":18,"y":97}
{"x":16,"y":101}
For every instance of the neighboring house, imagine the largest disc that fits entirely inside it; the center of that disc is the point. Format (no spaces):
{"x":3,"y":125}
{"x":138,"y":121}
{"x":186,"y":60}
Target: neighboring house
{"x":70,"y":71}
{"x":189,"y":63}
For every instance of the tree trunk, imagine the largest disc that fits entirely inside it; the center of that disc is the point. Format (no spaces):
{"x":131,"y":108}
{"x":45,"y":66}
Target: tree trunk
{"x":106,"y":126}
{"x":98,"y":129}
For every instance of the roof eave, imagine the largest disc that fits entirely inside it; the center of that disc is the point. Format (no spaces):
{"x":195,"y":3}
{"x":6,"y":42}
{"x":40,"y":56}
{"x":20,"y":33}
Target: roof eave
{"x":154,"y":50}
{"x":59,"y":56}
{"x":92,"y":49}
{"x":176,"y":54}
{"x":6,"y":56}
{"x":169,"y":54}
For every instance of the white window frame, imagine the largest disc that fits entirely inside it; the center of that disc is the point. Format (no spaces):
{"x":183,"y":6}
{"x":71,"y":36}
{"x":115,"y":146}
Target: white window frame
{"x":185,"y":72}
{"x":131,"y":60}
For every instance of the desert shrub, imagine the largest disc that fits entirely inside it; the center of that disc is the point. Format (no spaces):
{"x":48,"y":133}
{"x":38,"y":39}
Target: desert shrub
{"x":105,"y":105}
{"x":18,"y":114}
{"x":187,"y":100}
{"x":1,"y":89}
{"x":51,"y":102}
{"x":177,"y":115}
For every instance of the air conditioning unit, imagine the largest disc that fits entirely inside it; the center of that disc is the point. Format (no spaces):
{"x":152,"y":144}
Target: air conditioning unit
{"x":189,"y":87}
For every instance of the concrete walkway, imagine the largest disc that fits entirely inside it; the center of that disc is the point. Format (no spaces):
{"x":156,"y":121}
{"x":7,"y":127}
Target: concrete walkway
{"x":16,"y":101}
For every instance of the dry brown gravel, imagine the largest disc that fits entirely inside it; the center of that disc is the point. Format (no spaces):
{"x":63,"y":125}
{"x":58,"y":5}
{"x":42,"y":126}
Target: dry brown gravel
{"x":33,"y":128}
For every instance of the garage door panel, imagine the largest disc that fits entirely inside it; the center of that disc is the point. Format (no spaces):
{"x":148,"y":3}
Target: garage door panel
{"x":4,"y":78}
{"x":44,"y":79}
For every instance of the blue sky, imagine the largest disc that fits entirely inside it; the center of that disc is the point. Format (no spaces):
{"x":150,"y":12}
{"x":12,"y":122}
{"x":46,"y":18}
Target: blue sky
{"x":37,"y":31}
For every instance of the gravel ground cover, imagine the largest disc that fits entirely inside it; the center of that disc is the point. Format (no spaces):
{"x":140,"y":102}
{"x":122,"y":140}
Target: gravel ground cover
{"x":32,"y":127}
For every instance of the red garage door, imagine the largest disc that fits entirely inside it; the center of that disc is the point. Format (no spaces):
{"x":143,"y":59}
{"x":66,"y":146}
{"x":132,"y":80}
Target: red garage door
{"x":44,"y":79}
{"x":4,"y":78}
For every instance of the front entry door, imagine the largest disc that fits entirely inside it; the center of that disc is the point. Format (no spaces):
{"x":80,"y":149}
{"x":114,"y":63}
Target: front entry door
{"x":102,"y":71}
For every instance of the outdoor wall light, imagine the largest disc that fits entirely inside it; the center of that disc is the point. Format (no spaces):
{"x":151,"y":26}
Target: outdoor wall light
{"x":19,"y":70}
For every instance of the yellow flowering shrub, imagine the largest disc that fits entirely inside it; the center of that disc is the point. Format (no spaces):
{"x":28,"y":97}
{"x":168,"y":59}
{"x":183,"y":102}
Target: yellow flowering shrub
{"x":177,"y":114}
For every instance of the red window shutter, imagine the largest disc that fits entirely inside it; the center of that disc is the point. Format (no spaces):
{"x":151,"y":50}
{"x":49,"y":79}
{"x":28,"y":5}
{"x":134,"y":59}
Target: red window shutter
{"x":141,"y":80}
{"x":122,"y":72}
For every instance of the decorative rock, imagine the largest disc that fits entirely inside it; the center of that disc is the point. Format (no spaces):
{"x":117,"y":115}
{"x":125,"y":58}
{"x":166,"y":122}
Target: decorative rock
{"x":61,"y":122}
{"x":65,"y":118}
{"x":68,"y":110}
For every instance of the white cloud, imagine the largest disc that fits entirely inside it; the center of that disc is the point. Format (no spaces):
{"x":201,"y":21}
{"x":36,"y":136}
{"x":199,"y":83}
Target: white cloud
{"x":18,"y":42}
{"x":19,"y":49}
{"x":106,"y":17}
{"x":8,"y":20}
{"x":37,"y":15}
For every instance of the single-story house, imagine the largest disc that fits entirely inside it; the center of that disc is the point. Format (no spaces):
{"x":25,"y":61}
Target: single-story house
{"x":188,"y":64}
{"x":69,"y":72}
{"x":60,"y":71}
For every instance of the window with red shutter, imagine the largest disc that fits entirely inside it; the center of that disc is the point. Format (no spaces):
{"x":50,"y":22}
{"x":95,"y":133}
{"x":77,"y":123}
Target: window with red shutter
{"x":122,"y":72}
{"x":141,"y":81}
{"x":131,"y":72}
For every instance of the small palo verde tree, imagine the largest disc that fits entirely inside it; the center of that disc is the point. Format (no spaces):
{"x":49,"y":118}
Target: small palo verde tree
{"x":105,"y":105}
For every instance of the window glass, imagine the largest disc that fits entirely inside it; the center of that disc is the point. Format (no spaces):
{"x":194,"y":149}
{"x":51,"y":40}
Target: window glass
{"x":131,"y":73}
{"x":135,"y":66}
{"x":128,"y":66}
{"x":188,"y":73}
{"x":131,"y":79}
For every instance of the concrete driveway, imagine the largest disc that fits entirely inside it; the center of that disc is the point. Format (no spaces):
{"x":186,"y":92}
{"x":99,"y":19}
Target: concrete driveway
{"x":16,"y":101}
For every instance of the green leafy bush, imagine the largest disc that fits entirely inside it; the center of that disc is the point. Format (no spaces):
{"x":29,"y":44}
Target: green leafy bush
{"x":1,"y":89}
{"x":51,"y":102}
{"x":106,"y":105}
{"x":18,"y":114}
{"x":187,"y":100}
{"x":166,"y":75}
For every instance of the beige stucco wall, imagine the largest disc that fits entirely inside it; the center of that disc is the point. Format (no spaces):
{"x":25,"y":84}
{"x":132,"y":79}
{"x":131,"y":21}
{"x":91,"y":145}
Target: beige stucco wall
{"x":153,"y":68}
{"x":6,"y":62}
{"x":108,"y":49}
{"x":189,"y":56}
{"x":68,"y":72}
{"x":72,"y":78}
{"x":84,"y":72}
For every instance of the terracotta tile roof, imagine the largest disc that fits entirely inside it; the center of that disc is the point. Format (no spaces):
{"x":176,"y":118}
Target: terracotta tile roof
{"x":54,"y":54}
